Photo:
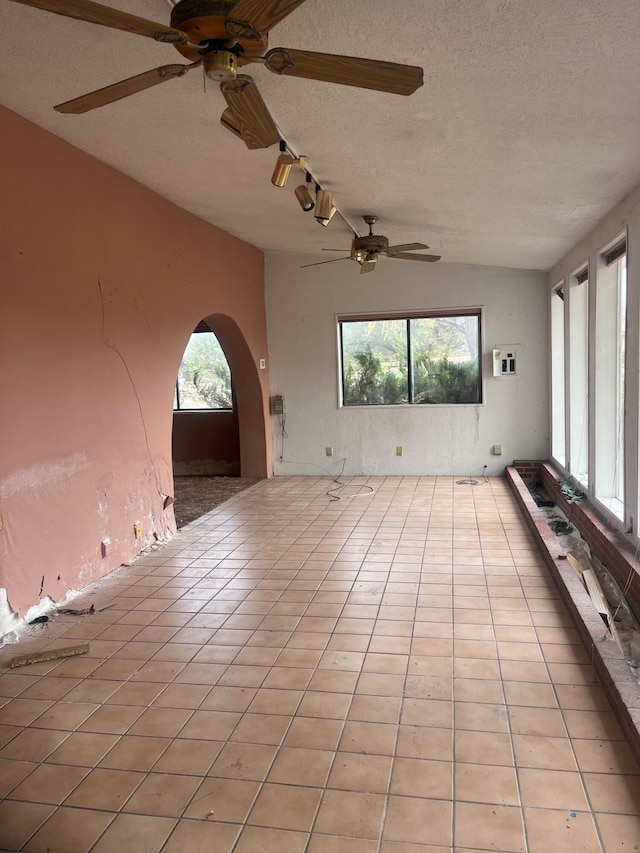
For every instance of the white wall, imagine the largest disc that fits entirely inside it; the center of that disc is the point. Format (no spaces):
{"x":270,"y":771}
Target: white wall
{"x":302,"y":305}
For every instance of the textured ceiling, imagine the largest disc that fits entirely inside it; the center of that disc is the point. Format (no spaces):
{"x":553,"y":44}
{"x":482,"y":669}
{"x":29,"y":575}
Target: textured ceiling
{"x":526,"y":131}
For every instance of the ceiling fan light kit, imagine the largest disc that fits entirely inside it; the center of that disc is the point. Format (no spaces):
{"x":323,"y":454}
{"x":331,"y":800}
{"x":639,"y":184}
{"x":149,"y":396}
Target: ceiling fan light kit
{"x":220,"y":65}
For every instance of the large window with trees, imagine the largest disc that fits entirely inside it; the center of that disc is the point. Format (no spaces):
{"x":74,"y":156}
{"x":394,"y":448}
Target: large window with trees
{"x":204,"y":378}
{"x":411,"y":359}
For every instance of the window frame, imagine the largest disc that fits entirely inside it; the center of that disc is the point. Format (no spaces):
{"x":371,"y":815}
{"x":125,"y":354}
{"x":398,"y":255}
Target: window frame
{"x":580,"y":397}
{"x":203,"y":328}
{"x":558,"y":372}
{"x":408,"y":316}
{"x":611,"y":328}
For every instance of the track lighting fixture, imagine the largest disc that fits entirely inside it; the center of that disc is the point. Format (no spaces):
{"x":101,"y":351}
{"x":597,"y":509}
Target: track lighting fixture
{"x":305,"y":199}
{"x":325,"y":222}
{"x":282,"y":169}
{"x":283,"y":165}
{"x":324,"y":206}
{"x":325,"y":209}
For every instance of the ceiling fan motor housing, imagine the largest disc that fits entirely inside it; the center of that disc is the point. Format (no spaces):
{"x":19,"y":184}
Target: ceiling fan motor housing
{"x":187,"y":10}
{"x":371,"y":243}
{"x":205,"y":21}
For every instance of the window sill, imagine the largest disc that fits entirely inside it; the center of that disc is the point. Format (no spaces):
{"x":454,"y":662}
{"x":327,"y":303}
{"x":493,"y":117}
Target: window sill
{"x":412,"y":406}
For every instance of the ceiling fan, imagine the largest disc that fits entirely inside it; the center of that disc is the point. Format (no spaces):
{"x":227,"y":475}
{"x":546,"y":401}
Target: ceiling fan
{"x":222,"y":36}
{"x":366,"y":250}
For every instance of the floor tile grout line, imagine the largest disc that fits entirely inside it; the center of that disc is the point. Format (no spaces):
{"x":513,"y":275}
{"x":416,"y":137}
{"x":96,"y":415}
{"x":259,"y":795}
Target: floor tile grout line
{"x":399,"y":723}
{"x":526,"y":590}
{"x":289,"y":727}
{"x":510,"y":730}
{"x":569,"y":739}
{"x":579,"y":771}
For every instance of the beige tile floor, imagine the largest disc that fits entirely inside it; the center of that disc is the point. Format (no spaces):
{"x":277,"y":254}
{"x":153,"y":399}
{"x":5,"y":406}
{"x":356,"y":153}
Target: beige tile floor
{"x":392,"y":672}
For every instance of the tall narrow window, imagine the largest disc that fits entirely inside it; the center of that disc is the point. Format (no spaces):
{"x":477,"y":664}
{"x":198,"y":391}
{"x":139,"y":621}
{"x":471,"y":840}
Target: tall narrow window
{"x":579,"y":376}
{"x":611,"y":318}
{"x":204,"y":378}
{"x":558,"y":450}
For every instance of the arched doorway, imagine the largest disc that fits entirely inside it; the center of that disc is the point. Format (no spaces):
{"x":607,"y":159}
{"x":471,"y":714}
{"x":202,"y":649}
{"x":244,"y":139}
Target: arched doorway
{"x":229,"y":439}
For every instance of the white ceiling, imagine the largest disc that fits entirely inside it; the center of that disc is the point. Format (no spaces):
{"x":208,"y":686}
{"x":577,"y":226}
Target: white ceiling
{"x":526,"y":131}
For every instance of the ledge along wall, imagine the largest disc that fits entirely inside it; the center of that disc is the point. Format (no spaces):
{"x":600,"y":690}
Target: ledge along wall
{"x":102,"y":284}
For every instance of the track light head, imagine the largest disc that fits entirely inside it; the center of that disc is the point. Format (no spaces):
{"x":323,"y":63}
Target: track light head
{"x":304,"y":197}
{"x":324,"y":205}
{"x":281,"y":172}
{"x":325,"y":222}
{"x":283,"y":165}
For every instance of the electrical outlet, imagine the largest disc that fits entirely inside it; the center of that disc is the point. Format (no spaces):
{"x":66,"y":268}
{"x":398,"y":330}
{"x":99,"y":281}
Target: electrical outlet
{"x":137,"y":530}
{"x":497,"y":450}
{"x":398,"y":450}
{"x":328,"y":451}
{"x":263,"y":363}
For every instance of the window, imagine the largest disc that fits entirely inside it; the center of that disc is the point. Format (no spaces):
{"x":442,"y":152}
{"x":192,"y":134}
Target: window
{"x":578,"y":376}
{"x":419,"y":359}
{"x":611,"y":314}
{"x":557,"y":375}
{"x":204,"y":378}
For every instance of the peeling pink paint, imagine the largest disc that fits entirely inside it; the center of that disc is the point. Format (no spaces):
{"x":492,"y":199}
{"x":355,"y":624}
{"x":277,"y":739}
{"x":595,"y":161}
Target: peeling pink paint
{"x":102,"y":284}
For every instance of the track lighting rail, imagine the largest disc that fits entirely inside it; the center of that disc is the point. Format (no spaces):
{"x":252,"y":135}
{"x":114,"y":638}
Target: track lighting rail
{"x":286,"y":150}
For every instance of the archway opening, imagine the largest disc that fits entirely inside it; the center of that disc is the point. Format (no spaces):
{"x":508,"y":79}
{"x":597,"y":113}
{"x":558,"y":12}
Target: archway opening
{"x":220,"y":419}
{"x":206,"y":439}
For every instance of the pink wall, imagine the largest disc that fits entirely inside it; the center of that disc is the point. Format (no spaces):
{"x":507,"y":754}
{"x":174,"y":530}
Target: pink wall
{"x":102,"y":283}
{"x":206,"y":443}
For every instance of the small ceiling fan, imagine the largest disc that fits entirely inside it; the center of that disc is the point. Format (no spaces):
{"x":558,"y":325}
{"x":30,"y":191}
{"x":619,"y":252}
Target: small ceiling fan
{"x":222,"y":36}
{"x":366,"y":250}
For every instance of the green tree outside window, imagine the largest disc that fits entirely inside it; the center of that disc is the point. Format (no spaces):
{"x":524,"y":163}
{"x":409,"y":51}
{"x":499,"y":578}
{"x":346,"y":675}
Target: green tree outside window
{"x":411,"y":360}
{"x":204,"y":378}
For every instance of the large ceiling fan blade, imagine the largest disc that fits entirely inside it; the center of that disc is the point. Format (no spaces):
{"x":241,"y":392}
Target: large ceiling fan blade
{"x":332,"y":261}
{"x":405,"y":247}
{"x":250,"y":115}
{"x":406,"y":256}
{"x":263,"y":15}
{"x":348,"y":70}
{"x":123,"y":89}
{"x":96,"y":13}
